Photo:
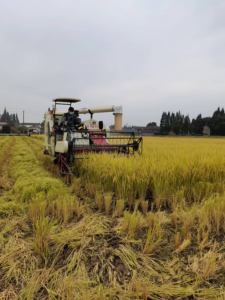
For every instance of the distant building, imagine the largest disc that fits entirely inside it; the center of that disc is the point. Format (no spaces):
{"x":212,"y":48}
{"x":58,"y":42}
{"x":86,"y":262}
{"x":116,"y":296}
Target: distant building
{"x":2,"y":124}
{"x":206,"y":131}
{"x":148,"y":131}
{"x":130,"y":130}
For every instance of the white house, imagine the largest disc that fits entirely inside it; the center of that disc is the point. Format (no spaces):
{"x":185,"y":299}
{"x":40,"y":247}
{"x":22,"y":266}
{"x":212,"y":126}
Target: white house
{"x":206,"y":131}
{"x":2,"y":124}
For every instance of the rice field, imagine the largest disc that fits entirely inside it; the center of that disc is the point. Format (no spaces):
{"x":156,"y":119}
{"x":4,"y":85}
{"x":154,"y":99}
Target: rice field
{"x":144,"y":227}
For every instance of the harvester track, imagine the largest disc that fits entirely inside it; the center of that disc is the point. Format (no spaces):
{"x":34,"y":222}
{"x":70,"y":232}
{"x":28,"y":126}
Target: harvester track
{"x":46,"y":161}
{"x":5,"y":159}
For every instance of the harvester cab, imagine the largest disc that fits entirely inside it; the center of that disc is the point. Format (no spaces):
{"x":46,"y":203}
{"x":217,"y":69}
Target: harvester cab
{"x":68,"y":144}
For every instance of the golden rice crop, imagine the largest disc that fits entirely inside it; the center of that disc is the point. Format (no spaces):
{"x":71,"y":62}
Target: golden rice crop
{"x":39,"y":137}
{"x":172,"y":169}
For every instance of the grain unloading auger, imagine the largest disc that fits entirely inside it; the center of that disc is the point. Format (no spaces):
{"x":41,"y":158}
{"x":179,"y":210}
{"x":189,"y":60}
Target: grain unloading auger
{"x":92,"y":136}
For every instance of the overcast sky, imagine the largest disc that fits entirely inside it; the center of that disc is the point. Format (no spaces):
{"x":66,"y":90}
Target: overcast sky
{"x":149,"y":56}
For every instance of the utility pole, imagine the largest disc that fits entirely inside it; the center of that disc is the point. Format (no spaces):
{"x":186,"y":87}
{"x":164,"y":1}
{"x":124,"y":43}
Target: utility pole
{"x":23,"y":122}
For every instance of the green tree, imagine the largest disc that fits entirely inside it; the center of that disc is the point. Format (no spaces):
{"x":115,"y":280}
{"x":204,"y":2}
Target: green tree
{"x":177,"y":126}
{"x":167,"y":123}
{"x":21,"y":130}
{"x":186,"y":125}
{"x":163,"y":123}
{"x":17,"y":119}
{"x":199,"y":123}
{"x":6,"y":129}
{"x":151,"y":124}
{"x":217,"y":122}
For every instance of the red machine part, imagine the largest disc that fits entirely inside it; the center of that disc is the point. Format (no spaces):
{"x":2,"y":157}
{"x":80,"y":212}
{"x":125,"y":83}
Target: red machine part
{"x":64,"y":168}
{"x":99,"y":139}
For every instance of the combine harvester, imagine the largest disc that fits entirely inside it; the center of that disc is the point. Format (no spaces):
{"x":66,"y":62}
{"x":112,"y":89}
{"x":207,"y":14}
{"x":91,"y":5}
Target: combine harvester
{"x":92,"y":136}
{"x":33,"y":131}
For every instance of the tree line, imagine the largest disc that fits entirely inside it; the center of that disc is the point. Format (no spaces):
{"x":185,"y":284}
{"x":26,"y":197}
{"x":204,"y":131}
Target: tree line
{"x":12,"y":122}
{"x":180,"y":124}
{"x":10,"y":119}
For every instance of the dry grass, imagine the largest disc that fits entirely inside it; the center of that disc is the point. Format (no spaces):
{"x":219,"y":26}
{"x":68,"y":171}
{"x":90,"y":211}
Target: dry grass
{"x":151,"y":242}
{"x":183,"y":245}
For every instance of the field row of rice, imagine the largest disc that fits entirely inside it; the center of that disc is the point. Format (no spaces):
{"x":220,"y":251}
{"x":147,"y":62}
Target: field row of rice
{"x":144,"y":227}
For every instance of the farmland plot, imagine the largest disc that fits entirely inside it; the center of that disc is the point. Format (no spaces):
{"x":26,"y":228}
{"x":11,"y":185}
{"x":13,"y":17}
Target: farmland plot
{"x":149,"y":227}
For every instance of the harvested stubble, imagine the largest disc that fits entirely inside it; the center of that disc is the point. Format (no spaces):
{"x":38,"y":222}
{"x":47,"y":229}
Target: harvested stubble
{"x":55,"y":246}
{"x":4,"y":145}
{"x":47,"y":161}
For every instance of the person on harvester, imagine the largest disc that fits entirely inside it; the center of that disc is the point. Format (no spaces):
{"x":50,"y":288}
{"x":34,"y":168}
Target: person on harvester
{"x":71,"y":120}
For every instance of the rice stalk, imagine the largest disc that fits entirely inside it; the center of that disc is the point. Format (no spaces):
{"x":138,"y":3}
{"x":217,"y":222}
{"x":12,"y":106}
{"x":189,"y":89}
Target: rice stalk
{"x":108,"y":202}
{"x":119,"y":208}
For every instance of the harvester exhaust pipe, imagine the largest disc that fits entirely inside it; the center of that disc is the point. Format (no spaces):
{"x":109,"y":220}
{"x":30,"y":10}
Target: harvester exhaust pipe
{"x":117,"y":111}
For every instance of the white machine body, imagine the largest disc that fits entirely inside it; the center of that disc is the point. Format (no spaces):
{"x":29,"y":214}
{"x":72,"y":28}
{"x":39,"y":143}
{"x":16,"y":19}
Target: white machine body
{"x":60,"y":144}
